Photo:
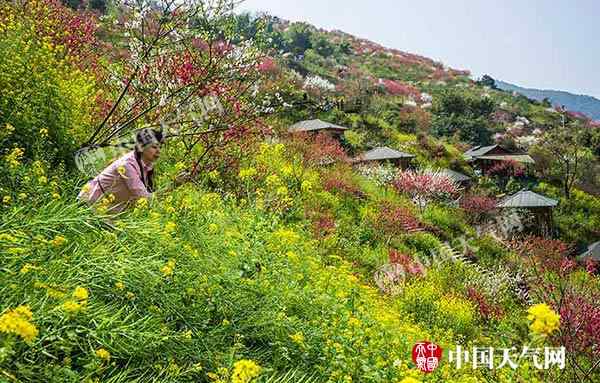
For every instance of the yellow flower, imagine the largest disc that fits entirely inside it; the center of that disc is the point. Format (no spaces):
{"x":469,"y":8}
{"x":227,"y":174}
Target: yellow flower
{"x":544,"y":320}
{"x":409,"y":379}
{"x":17,"y":322}
{"x":213,"y":228}
{"x":55,"y":195}
{"x":244,"y":371}
{"x":297,"y":338}
{"x":27,"y":268}
{"x":141,"y":203}
{"x":22,"y":196}
{"x":120,"y":286}
{"x":246,"y":173}
{"x":72,"y":307}
{"x":103,"y":354}
{"x":170,"y":227}
{"x":287,"y":170}
{"x":44,"y":132}
{"x":122,"y":171}
{"x":81,"y":293}
{"x":179,"y":166}
{"x":43,"y":180}
{"x":167,"y":269}
{"x":58,"y":241}
{"x":14,"y":157}
{"x":273,"y":181}
{"x":6,"y":199}
{"x":306,"y":186}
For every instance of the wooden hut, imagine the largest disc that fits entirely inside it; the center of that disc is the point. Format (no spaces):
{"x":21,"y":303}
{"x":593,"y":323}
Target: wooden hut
{"x":384,"y":154}
{"x":486,"y":157}
{"x":540,"y":206}
{"x":316,"y":126}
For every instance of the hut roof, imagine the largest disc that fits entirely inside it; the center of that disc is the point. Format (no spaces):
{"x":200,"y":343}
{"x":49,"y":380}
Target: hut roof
{"x":382,"y":153}
{"x":524,"y":158}
{"x":527,"y":198}
{"x":478,"y":151}
{"x":314,"y":125}
{"x":592,"y":252}
{"x":454,"y":175}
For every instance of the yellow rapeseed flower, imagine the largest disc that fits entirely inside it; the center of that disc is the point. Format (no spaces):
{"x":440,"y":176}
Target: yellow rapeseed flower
{"x":544,"y":320}
{"x":297,"y":338}
{"x":17,"y":322}
{"x":103,"y":354}
{"x":81,"y":293}
{"x":244,"y":371}
{"x":246,"y":173}
{"x":6,"y":199}
{"x":58,"y":241}
{"x":167,"y":269}
{"x":409,"y":379}
{"x":306,"y":186}
{"x":72,"y":307}
{"x":120,"y":286}
{"x":170,"y":227}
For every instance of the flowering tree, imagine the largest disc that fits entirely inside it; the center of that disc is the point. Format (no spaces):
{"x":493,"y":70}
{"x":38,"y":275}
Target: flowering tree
{"x":507,"y":169}
{"x":175,"y":66}
{"x":552,"y":279}
{"x":424,"y":186}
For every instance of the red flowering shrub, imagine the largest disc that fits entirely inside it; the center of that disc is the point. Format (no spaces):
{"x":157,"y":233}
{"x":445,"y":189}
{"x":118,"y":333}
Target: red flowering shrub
{"x":394,"y":220}
{"x":486,"y":309}
{"x":407,"y":262}
{"x":477,"y":206}
{"x":317,"y":149}
{"x":546,"y":254}
{"x":580,"y":317}
{"x":397,"y":88}
{"x":507,"y":169}
{"x":267,"y":65}
{"x":339,"y":185}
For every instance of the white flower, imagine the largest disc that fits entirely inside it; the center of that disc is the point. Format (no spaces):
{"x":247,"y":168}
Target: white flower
{"x":318,"y":82}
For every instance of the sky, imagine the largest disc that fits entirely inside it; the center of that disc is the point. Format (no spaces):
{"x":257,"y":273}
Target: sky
{"x":531,"y":43}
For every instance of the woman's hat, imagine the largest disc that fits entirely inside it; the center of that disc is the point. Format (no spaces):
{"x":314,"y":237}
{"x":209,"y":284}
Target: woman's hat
{"x":146,"y":137}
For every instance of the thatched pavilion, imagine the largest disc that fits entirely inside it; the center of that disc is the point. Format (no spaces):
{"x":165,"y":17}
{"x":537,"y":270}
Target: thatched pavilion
{"x":540,"y":206}
{"x":317,"y":126}
{"x":384,"y":154}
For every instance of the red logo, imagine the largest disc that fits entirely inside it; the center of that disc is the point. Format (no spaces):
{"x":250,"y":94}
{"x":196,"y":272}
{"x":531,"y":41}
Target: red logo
{"x":426,"y":356}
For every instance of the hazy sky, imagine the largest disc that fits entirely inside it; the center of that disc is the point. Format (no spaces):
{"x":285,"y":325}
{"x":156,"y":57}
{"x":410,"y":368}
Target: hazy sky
{"x":532,"y":43}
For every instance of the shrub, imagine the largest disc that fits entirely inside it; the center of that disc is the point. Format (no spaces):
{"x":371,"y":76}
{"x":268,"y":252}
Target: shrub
{"x":478,"y":207}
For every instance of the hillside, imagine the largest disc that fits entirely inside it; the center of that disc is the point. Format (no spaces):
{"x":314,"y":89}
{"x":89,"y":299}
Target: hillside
{"x":588,"y":105}
{"x":246,"y":253}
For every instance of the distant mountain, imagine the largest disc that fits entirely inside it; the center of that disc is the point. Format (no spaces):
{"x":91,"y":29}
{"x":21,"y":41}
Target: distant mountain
{"x":587,"y":105}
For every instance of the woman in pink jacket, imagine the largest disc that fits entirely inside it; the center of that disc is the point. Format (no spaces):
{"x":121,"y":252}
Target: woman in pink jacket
{"x":128,"y":178}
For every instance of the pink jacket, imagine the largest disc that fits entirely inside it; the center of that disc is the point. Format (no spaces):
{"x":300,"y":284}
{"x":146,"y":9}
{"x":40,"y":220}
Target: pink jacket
{"x":122,"y":178}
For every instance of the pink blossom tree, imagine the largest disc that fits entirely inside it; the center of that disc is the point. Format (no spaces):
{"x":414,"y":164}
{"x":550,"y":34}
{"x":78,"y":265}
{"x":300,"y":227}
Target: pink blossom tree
{"x":425,"y":186}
